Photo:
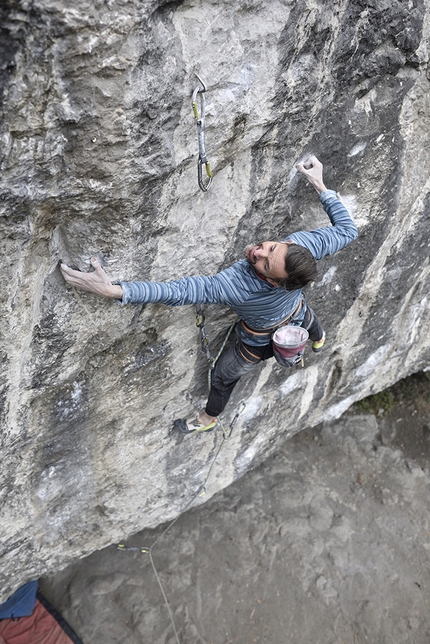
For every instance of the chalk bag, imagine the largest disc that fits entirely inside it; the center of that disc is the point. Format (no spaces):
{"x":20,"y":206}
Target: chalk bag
{"x":289,"y":345}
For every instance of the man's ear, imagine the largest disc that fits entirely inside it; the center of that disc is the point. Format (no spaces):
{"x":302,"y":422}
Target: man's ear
{"x":272,"y":282}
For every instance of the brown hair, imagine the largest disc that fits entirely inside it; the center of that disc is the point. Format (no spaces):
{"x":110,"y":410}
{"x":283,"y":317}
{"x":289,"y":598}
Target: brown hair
{"x":300,"y":266}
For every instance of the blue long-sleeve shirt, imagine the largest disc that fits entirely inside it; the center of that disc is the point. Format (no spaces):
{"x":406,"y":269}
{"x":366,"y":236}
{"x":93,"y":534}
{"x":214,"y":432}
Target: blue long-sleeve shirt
{"x":255,"y":300}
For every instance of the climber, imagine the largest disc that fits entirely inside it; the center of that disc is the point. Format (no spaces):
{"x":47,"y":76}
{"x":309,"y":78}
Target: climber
{"x":264,"y":289}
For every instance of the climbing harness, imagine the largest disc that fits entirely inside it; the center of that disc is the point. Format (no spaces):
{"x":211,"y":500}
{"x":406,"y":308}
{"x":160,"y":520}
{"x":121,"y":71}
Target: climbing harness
{"x":287,"y":340}
{"x":201,"y":136}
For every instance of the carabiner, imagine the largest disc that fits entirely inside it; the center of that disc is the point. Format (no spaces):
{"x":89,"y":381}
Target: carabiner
{"x":228,"y":432}
{"x":201,"y":136}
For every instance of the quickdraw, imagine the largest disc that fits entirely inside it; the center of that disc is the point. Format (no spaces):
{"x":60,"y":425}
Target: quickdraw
{"x":201,"y":136}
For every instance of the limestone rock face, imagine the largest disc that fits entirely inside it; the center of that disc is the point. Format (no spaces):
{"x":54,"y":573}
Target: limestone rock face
{"x":99,"y":157}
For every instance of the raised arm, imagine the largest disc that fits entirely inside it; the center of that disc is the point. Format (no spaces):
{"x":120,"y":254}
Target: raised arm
{"x":329,"y":239}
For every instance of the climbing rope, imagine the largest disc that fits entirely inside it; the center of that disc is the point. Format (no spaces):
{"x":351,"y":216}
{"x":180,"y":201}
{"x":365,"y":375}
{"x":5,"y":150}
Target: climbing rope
{"x":201,"y":491}
{"x":201,"y":136}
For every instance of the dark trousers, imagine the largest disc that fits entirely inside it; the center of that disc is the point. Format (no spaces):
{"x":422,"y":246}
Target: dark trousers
{"x":231,"y":365}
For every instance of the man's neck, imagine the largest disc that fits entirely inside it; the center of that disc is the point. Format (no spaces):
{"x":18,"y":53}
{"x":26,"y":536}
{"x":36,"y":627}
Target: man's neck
{"x":260,"y":275}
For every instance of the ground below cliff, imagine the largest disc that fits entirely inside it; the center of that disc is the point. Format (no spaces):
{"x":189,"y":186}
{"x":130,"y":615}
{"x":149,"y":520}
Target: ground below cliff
{"x":326,"y":542}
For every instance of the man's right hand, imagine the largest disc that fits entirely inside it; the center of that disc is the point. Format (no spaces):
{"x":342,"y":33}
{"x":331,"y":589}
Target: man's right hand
{"x":97,"y":282}
{"x":313,"y":171}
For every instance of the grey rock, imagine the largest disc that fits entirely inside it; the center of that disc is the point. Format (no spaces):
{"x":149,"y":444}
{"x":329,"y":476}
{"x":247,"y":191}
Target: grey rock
{"x":98,"y":157}
{"x":254,"y":563}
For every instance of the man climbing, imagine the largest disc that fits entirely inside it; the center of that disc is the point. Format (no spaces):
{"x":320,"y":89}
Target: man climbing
{"x":264,"y":289}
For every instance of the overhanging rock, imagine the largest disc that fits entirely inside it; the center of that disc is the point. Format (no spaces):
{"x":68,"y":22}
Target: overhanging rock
{"x":99,"y":152}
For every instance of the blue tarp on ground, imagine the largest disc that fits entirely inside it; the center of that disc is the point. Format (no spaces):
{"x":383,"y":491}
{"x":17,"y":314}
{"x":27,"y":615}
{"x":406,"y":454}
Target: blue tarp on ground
{"x":21,"y":603}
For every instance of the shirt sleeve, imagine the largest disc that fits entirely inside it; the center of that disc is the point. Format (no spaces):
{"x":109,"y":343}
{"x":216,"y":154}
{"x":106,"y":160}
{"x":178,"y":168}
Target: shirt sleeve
{"x":223,"y":288}
{"x":330,"y":239}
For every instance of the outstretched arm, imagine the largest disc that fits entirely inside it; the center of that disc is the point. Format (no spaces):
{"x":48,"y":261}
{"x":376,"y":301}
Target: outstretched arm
{"x":223,"y":288}
{"x":97,"y":282}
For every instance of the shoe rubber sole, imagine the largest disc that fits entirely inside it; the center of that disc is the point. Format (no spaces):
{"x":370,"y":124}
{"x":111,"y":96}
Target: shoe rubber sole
{"x":181,"y":425}
{"x":317,"y":346}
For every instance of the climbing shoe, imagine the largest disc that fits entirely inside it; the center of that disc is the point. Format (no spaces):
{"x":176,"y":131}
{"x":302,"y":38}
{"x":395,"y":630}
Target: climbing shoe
{"x":317,"y":346}
{"x":193,"y":425}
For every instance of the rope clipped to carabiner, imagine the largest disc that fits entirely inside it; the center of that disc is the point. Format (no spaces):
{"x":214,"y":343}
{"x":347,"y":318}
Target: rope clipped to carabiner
{"x":201,"y":136}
